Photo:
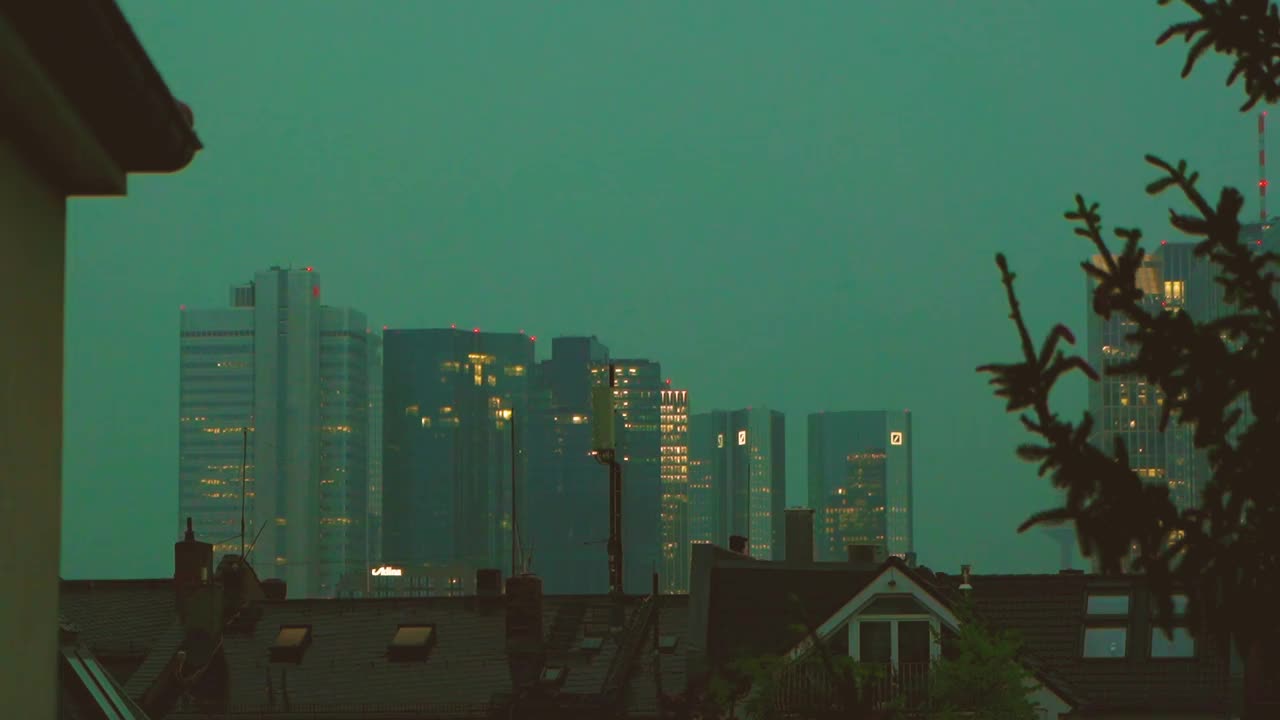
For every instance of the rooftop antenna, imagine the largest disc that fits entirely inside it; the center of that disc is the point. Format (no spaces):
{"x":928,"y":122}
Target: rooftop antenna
{"x":1262,"y":168}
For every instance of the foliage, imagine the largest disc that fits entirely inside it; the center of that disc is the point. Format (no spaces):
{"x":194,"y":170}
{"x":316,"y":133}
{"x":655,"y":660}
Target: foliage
{"x":983,"y":675}
{"x":1228,"y":549}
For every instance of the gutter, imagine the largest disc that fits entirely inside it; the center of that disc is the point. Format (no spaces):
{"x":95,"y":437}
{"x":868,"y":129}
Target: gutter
{"x":89,"y":50}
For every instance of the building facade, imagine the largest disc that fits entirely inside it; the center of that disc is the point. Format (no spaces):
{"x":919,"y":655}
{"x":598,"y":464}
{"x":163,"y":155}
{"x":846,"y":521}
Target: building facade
{"x":675,"y":490}
{"x":448,"y":400}
{"x":567,"y":521}
{"x":737,"y":482}
{"x":860,"y":481}
{"x":637,"y":401}
{"x":1129,"y":409}
{"x":274,"y":426}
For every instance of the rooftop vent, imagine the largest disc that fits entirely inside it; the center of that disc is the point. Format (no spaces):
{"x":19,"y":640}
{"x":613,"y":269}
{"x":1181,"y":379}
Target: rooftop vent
{"x":412,"y":642}
{"x":290,"y":643}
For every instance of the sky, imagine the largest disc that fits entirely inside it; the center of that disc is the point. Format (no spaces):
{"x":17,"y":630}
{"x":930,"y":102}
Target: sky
{"x":792,"y":205}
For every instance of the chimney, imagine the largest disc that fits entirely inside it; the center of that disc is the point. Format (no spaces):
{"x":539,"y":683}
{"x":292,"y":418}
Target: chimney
{"x":192,"y":569}
{"x":275,"y":589}
{"x":867,"y":553}
{"x":964,"y":578}
{"x":799,"y":548}
{"x":526,"y":654}
{"x":738,"y":544}
{"x":488,"y":582}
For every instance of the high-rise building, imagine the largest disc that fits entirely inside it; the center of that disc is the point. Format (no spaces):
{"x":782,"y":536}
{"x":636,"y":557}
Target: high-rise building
{"x":279,"y":383}
{"x":567,"y":522}
{"x":738,"y":482}
{"x":637,"y":401}
{"x":675,"y":490}
{"x":448,"y":400}
{"x":1128,"y":408}
{"x":373,"y":525}
{"x":860,"y":481}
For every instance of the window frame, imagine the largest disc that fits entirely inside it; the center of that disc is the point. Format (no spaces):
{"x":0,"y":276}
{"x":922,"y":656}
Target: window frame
{"x":1107,"y":621}
{"x":1179,"y":623}
{"x":855,"y":634}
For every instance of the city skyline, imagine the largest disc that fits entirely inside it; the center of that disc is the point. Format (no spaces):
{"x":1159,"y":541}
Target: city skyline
{"x":793,"y":221}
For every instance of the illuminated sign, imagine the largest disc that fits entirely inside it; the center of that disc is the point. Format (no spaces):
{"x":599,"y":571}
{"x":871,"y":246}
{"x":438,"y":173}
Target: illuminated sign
{"x":895,"y":438}
{"x":742,"y":437}
{"x":388,"y":571}
{"x":720,"y":440}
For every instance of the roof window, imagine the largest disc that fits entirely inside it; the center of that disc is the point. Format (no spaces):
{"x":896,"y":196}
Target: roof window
{"x":290,"y":643}
{"x":412,"y":642}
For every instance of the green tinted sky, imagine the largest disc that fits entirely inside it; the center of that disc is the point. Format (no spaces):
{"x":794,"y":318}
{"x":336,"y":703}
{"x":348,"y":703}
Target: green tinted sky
{"x":791,"y":204}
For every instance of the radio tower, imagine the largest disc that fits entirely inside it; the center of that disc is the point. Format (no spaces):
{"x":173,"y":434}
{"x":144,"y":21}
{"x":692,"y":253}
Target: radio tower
{"x":1262,"y":168}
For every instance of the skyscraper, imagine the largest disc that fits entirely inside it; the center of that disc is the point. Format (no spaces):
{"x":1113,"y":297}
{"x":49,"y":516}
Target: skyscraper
{"x":295,"y":375}
{"x":567,"y":522}
{"x":675,"y":490}
{"x":860,"y":481}
{"x":447,"y":398}
{"x":1127,"y":407}
{"x":737,"y":483}
{"x":637,"y":400}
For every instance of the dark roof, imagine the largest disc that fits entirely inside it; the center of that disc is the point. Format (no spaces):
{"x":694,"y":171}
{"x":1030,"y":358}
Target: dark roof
{"x":90,"y":52}
{"x":1048,"y":611}
{"x":346,"y":665}
{"x":120,"y":620}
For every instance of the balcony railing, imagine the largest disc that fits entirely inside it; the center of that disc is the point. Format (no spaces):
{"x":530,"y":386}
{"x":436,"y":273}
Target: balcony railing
{"x":808,"y":687}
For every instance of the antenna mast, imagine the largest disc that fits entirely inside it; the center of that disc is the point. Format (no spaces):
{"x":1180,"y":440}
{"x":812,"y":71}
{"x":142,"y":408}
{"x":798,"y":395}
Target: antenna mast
{"x":1262,"y":167}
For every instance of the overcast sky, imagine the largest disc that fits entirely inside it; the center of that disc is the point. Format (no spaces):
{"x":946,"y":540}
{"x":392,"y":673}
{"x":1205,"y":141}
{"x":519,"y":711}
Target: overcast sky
{"x":791,"y":204}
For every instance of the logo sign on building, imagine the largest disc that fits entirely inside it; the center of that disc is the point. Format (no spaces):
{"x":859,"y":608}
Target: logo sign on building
{"x":387,"y":571}
{"x":720,"y":440}
{"x":742,"y":437}
{"x":895,"y":438}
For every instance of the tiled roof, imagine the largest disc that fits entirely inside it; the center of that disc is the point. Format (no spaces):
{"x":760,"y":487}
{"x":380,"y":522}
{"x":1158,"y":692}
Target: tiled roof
{"x":120,"y":620}
{"x":673,"y":619}
{"x":346,"y":665}
{"x":1048,"y":611}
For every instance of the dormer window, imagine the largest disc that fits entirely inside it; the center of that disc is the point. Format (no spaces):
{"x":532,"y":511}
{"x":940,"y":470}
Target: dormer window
{"x":894,"y":630}
{"x":1106,"y":631}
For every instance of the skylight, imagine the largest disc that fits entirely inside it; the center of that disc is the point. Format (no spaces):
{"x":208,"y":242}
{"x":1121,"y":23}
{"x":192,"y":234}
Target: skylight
{"x":592,"y":643}
{"x":412,"y":642}
{"x":290,"y":643}
{"x":667,"y":643}
{"x":553,"y":675}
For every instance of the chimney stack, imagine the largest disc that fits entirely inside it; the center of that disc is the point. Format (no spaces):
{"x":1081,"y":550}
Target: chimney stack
{"x":964,"y":578}
{"x":739,"y":544}
{"x":526,"y":654}
{"x":192,"y":568}
{"x":867,"y":553}
{"x":799,"y":548}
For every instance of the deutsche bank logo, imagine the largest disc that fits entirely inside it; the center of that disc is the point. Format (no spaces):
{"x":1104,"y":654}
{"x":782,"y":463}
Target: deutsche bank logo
{"x":895,"y":438}
{"x":742,"y":437}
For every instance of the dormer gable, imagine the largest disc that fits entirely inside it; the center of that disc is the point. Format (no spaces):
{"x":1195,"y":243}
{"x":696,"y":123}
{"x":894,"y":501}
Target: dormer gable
{"x":894,"y":619}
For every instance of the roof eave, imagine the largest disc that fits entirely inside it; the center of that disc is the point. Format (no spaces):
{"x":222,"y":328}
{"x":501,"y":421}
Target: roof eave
{"x":109,"y":80}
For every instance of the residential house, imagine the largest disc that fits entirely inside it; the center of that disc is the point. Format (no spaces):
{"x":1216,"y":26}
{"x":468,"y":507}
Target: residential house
{"x":81,"y":108}
{"x":1090,"y":645}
